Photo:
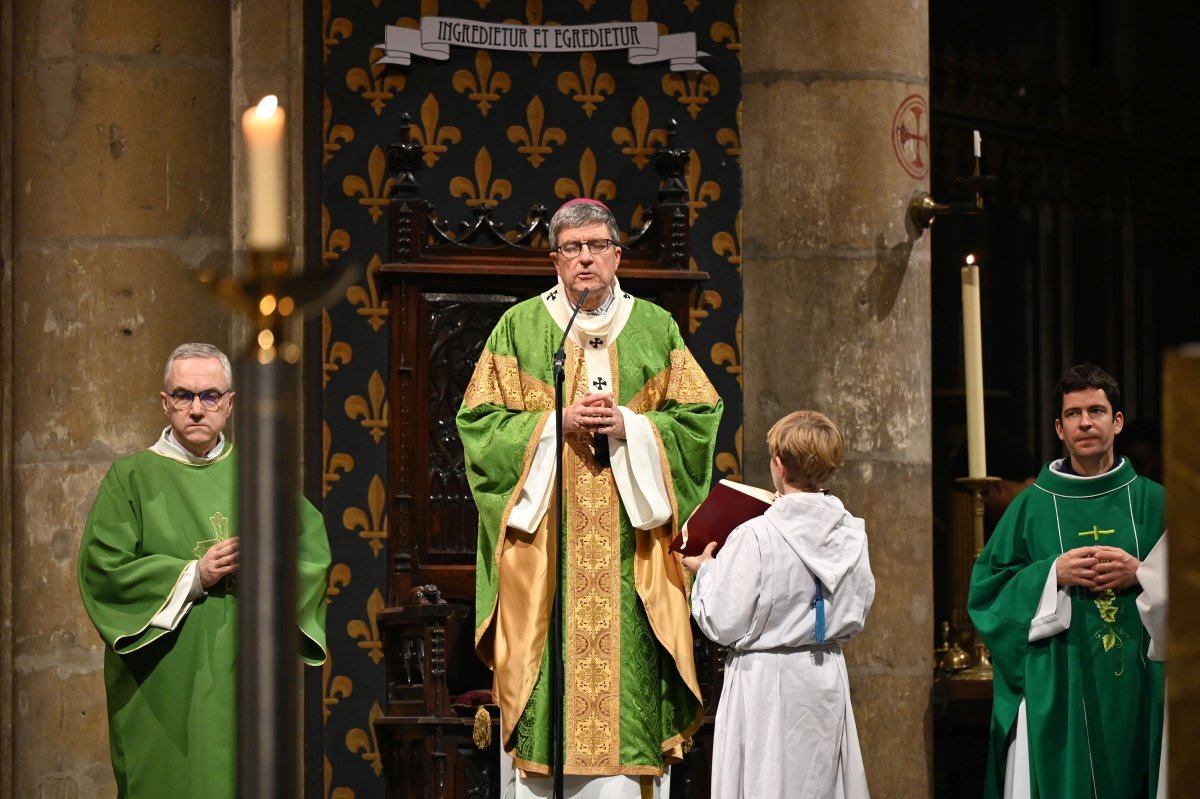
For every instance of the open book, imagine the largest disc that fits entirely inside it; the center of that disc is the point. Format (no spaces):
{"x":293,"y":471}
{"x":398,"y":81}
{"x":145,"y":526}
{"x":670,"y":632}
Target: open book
{"x":728,"y":505}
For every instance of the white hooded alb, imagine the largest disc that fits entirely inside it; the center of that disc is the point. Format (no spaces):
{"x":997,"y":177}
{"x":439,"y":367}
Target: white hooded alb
{"x":785,"y":727}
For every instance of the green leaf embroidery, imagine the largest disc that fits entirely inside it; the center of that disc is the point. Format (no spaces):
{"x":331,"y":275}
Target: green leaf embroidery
{"x":1105,"y":604}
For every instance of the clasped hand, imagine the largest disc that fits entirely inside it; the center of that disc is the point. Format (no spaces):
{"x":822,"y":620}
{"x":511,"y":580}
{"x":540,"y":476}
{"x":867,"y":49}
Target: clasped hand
{"x":1097,"y":568}
{"x":220,"y":560}
{"x":595,"y":413}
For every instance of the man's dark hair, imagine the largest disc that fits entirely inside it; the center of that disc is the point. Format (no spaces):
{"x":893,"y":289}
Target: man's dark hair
{"x":1081,"y":378}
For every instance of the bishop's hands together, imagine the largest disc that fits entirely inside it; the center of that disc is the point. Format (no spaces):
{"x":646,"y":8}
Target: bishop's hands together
{"x":220,"y":560}
{"x":595,"y":413}
{"x":1097,"y":568}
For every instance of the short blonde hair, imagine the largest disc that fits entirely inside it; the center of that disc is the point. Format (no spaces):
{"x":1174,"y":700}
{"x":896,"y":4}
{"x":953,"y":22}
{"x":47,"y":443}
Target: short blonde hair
{"x":809,"y":445}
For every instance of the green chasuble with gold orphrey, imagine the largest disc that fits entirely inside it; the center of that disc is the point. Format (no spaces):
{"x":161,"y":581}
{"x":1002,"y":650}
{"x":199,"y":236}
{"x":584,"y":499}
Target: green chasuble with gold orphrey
{"x":1093,"y":699}
{"x":631,"y":694}
{"x":172,"y":692}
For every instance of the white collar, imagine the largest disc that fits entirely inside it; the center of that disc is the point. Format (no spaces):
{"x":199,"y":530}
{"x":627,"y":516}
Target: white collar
{"x":168,"y":446}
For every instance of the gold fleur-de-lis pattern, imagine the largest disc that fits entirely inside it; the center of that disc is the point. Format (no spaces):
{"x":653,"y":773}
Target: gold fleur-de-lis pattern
{"x":332,"y":135}
{"x":336,"y":464}
{"x":693,"y":90}
{"x":483,"y":190}
{"x":534,"y":142}
{"x":481,"y":85}
{"x":371,"y":410}
{"x":435,"y":139}
{"x":370,"y":523}
{"x":371,"y":189}
{"x":375,"y":83}
{"x":586,"y":87}
{"x":587,"y":185}
{"x":639,"y":140}
{"x":334,"y":241}
{"x":366,"y":296}
{"x":366,"y":630}
{"x":499,"y":132}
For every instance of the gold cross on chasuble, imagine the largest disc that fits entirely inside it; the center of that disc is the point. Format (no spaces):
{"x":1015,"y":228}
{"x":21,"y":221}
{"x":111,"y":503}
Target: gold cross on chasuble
{"x":1096,"y":532}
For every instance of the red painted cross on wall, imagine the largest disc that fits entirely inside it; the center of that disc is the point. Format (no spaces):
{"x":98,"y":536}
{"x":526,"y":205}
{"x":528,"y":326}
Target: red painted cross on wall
{"x":910,"y":136}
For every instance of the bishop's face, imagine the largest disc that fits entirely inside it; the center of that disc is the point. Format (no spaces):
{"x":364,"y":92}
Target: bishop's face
{"x":585,"y":270}
{"x":195,"y":426}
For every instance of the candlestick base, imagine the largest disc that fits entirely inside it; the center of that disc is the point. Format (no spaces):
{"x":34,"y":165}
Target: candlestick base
{"x":982,"y":668}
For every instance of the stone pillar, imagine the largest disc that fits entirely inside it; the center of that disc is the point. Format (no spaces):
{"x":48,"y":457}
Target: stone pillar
{"x":837,"y":315}
{"x":1181,"y":465}
{"x":120,"y":188}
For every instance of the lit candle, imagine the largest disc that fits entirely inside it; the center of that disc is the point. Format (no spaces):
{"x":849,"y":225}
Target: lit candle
{"x":262,"y":127}
{"x":978,"y":145}
{"x":973,"y":357}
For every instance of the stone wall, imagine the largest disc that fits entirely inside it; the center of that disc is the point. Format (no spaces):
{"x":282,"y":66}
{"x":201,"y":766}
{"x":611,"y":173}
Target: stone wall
{"x":837,"y":316}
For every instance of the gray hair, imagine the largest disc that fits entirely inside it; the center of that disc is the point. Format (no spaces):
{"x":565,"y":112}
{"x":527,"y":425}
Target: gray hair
{"x":198,"y":350}
{"x":580,"y":213}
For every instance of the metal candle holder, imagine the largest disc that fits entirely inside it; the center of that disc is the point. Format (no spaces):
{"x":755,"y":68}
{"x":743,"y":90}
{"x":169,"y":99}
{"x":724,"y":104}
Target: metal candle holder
{"x":267,"y":519}
{"x":978,"y":488}
{"x":923,"y":210}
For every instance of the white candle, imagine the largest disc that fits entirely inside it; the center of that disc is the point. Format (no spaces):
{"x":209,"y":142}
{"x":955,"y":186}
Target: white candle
{"x":973,"y":362}
{"x":262,"y":127}
{"x":978,"y":145}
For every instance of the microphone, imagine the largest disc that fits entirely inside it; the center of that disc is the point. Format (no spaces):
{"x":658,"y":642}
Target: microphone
{"x":600,"y":448}
{"x":599,"y":440}
{"x":560,"y":355}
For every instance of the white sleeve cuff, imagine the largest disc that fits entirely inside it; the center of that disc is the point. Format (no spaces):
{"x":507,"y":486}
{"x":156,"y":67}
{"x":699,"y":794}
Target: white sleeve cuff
{"x":535,"y":492}
{"x":187,"y":590}
{"x":637,"y":470}
{"x":1152,"y":602}
{"x":1053,"y":614}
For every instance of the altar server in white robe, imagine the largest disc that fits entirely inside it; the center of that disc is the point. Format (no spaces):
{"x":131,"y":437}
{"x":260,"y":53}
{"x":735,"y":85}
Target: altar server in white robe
{"x":784,"y":593}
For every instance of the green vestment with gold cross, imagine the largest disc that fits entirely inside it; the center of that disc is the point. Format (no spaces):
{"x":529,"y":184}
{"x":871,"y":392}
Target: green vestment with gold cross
{"x":172,"y":711}
{"x":632,"y":699}
{"x":1094,"y":700}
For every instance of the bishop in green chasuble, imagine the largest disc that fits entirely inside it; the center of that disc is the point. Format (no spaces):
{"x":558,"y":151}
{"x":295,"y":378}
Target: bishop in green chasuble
{"x":170,"y":658}
{"x":631,"y":694}
{"x":1071,"y":673}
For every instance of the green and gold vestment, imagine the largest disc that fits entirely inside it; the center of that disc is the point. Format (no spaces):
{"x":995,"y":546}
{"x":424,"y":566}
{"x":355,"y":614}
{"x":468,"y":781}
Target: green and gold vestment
{"x":631,"y":694}
{"x":1093,"y":699}
{"x":171,"y":692}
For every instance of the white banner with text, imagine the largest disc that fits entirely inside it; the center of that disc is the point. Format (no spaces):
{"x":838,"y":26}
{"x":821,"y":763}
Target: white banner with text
{"x":437,"y":35}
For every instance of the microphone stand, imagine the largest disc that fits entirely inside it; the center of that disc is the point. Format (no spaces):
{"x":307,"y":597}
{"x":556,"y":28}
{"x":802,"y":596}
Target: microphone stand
{"x":557,"y":678}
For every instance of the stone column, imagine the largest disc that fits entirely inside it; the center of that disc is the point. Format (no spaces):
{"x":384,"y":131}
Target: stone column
{"x":837,"y":313}
{"x":120,"y":193}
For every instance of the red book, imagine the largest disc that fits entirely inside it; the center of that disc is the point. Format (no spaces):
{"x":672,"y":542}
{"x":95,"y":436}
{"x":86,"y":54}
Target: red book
{"x":728,"y":505}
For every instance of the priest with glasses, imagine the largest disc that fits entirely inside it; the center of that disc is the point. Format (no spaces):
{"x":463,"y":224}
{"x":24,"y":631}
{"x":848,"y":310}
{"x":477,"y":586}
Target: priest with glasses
{"x":639,"y":422}
{"x":157,"y":571}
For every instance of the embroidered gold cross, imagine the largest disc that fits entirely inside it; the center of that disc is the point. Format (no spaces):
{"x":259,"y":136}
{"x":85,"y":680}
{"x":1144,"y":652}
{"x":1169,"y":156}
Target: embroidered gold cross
{"x":220,"y":525}
{"x":1096,"y":532}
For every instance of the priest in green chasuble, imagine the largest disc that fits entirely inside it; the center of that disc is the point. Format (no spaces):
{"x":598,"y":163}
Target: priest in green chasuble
{"x":639,"y":421}
{"x":1077,"y":700}
{"x":157,"y":571}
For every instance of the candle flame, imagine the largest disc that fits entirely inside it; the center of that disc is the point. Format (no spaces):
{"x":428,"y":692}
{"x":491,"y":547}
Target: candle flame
{"x":970,"y":260}
{"x":266,"y":107}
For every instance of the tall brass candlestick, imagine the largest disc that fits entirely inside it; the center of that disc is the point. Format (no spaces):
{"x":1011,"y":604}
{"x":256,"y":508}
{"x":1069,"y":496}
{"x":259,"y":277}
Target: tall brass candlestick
{"x":978,"y":487}
{"x":268,"y":472}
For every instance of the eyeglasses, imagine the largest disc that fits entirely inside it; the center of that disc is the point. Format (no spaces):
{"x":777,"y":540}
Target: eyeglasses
{"x":209,"y":398}
{"x":595,"y":246}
